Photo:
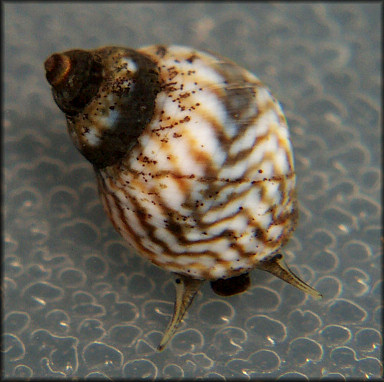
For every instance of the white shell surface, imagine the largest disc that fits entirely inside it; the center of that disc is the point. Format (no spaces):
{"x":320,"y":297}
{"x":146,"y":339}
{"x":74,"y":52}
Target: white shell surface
{"x":209,"y":189}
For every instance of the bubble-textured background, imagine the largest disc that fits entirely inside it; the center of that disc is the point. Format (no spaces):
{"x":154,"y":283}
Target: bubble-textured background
{"x":78,"y":303}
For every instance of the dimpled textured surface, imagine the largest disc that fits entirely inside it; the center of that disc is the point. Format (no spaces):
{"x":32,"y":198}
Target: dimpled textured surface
{"x":78,"y":303}
{"x":209,"y":190}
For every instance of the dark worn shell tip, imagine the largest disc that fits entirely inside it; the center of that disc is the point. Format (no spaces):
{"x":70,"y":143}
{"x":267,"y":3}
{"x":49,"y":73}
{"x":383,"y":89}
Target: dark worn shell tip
{"x":57,"y":68}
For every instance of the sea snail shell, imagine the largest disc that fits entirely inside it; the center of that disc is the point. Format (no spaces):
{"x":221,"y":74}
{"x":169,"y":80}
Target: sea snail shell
{"x":193,"y":161}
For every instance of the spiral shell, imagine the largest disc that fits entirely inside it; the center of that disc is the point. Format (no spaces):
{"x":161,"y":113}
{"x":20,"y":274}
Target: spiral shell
{"x":193,"y":161}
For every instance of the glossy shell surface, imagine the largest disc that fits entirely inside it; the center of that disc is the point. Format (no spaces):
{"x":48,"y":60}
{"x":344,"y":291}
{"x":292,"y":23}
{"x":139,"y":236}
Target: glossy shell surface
{"x":193,"y":162}
{"x":209,"y":189}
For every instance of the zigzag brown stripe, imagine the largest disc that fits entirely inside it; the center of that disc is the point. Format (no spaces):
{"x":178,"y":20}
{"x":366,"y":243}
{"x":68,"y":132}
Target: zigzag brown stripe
{"x":243,"y":124}
{"x":149,"y":229}
{"x":240,"y":195}
{"x":106,"y":191}
{"x":103,"y":194}
{"x":227,"y":142}
{"x":213,"y":122}
{"x":176,"y":228}
{"x":141,"y":217}
{"x":173,"y":227}
{"x":262,"y":234}
{"x":294,"y":219}
{"x":248,"y":151}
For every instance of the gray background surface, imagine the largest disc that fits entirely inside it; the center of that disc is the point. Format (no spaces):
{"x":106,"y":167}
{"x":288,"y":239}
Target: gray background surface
{"x":77,"y":302}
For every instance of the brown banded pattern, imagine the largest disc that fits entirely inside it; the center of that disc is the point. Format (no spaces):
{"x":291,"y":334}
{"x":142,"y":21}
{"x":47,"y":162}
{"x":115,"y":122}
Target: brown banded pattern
{"x":208,"y":190}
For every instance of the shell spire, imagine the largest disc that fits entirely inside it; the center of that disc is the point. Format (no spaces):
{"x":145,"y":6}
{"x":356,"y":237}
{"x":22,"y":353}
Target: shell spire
{"x":75,"y":77}
{"x":108,"y":96}
{"x":57,"y":68}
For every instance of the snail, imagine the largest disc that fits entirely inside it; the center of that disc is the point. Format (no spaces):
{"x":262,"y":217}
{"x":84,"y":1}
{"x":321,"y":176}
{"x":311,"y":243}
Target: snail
{"x":193,"y":162}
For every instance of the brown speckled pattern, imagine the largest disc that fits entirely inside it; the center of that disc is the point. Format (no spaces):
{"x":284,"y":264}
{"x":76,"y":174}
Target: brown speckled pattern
{"x":78,"y":303}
